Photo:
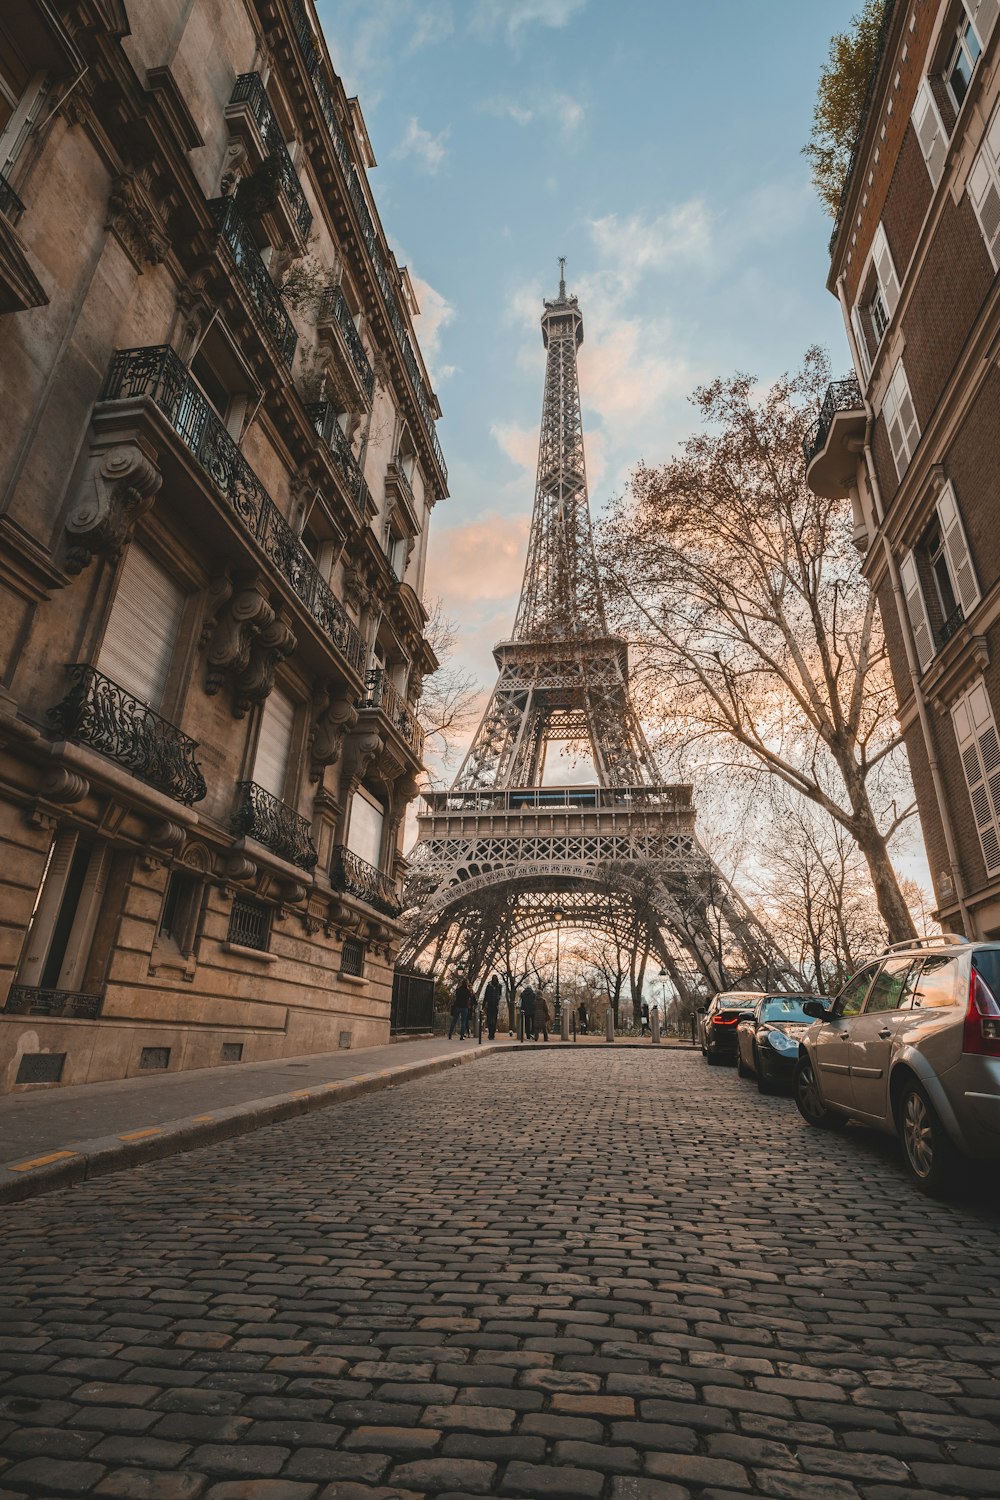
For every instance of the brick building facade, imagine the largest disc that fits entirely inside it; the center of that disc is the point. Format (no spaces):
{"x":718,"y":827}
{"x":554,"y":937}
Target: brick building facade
{"x":217,"y":467}
{"x":913,"y":437}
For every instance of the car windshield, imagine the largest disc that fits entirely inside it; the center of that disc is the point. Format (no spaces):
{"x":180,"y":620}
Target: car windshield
{"x":786,"y":1009}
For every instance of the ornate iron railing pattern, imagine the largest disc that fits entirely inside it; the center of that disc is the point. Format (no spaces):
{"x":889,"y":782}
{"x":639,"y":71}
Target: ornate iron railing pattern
{"x":313,"y":61}
{"x":333,"y":308}
{"x":397,"y":476}
{"x":275,"y":825}
{"x":256,"y":277}
{"x":250,"y":90}
{"x":324,"y":419}
{"x":350,"y":873}
{"x":379,"y":693}
{"x":249,"y":924}
{"x":159,"y":375}
{"x":29,"y":1000}
{"x":953,"y":622}
{"x":841,"y":395}
{"x":10,"y":204}
{"x":624,"y":799}
{"x":99,"y":713}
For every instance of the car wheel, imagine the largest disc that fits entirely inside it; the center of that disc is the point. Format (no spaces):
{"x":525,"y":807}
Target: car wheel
{"x":741,"y":1067}
{"x":712,"y":1058}
{"x":764,"y":1084}
{"x":809,"y":1101}
{"x":931,"y":1159}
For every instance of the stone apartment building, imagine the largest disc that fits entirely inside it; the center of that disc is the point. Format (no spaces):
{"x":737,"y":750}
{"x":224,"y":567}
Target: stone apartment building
{"x":913,"y":437}
{"x":217,"y":467}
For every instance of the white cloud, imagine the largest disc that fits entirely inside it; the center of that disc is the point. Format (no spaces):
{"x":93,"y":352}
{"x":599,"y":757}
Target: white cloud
{"x":513,"y":16}
{"x":436,"y":312}
{"x":367,"y":37}
{"x":562,"y":111}
{"x":632,"y":246}
{"x":429,"y":150}
{"x":520,"y":444}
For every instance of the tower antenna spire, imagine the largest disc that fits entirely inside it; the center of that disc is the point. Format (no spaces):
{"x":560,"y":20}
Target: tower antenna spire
{"x":562,"y":276}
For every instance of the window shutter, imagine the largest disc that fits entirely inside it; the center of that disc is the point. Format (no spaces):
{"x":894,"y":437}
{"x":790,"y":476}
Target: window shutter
{"x":364,"y":833}
{"x":274,"y":744}
{"x":983,"y":15}
{"x":142,"y":628}
{"x":885,"y":270}
{"x":923,"y":640}
{"x":900,"y":420}
{"x":976,"y":732}
{"x":862,"y":346}
{"x":957,"y":548}
{"x":985,"y":197}
{"x":930,"y":132}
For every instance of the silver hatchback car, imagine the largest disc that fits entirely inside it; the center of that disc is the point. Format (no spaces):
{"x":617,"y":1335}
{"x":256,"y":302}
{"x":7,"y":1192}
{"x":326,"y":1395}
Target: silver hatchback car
{"x":912,"y":1045}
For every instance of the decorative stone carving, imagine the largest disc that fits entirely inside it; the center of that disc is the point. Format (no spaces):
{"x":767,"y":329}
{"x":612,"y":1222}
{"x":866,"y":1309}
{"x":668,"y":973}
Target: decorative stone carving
{"x":361,"y":752}
{"x":121,"y":485}
{"x":135,"y":221}
{"x":244,"y":638}
{"x":235,"y":868}
{"x":233,"y":167}
{"x":356,"y":590}
{"x":64,"y":785}
{"x":336,"y":715}
{"x":163,"y":834}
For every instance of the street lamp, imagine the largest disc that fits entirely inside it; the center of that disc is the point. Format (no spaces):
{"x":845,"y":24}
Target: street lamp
{"x":557,"y":917}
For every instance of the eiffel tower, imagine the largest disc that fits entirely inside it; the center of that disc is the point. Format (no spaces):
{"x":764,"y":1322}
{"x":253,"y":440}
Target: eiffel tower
{"x":502,"y":856}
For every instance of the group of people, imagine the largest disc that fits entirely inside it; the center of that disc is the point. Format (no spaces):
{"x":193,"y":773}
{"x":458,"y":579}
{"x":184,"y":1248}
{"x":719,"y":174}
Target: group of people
{"x":531,"y":1005}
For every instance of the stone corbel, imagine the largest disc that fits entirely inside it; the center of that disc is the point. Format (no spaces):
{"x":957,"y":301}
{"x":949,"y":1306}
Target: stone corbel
{"x":356,"y":590}
{"x":336,"y":715}
{"x":244,"y":639}
{"x":233,"y":167}
{"x":235,"y":869}
{"x":361,"y":752}
{"x":120,"y":486}
{"x":135,"y":221}
{"x":63,"y":785}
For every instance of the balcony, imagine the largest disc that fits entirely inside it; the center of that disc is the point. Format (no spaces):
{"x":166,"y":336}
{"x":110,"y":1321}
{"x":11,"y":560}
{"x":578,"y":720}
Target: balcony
{"x":399,"y":489}
{"x":157,"y":375}
{"x":275,"y":825}
{"x":98,"y":713}
{"x":255,"y":277}
{"x":249,"y":100}
{"x":356,"y":877}
{"x":28,"y":1000}
{"x":312,"y":57}
{"x":952,"y":624}
{"x":335,"y":326}
{"x":324,"y":419}
{"x":380,"y":694}
{"x":833,"y":442}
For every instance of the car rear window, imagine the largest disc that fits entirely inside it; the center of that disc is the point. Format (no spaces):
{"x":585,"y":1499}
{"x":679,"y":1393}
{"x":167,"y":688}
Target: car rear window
{"x":987,"y":962}
{"x":785,"y":1009}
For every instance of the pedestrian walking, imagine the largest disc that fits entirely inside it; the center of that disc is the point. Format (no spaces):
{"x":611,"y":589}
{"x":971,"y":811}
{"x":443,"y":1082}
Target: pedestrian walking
{"x":528,"y":1002}
{"x":541,"y":1017}
{"x":644,"y":1013}
{"x":492,"y":998}
{"x":460,"y":1010}
{"x":581,"y":1017}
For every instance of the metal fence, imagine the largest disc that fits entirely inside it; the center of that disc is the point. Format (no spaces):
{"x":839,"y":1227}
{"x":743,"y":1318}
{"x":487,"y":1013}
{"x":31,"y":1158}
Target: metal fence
{"x":412,"y":1002}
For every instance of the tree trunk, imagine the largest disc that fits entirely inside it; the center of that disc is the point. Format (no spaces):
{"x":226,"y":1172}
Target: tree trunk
{"x":892,"y":907}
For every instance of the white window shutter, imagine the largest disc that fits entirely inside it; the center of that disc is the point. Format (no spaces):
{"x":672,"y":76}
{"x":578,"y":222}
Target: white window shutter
{"x":979,"y":748}
{"x":885,"y":269}
{"x":274,"y":744}
{"x":984,"y":194}
{"x":142,"y":628}
{"x":861,"y":342}
{"x":983,"y":15}
{"x":923,"y":640}
{"x":930,"y":132}
{"x":957,"y":548}
{"x":900,"y":420}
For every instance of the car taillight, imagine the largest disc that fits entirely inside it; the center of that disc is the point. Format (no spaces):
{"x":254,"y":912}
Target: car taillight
{"x":982,"y":1019}
{"x":731,"y":1020}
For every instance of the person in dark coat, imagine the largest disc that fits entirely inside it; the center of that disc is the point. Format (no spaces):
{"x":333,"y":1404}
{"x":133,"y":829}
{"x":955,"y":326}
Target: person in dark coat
{"x":492,"y":998}
{"x":460,"y":1010}
{"x":644,"y":1014}
{"x":582,"y":1017}
{"x":528,"y":1012}
{"x":541,"y":1018}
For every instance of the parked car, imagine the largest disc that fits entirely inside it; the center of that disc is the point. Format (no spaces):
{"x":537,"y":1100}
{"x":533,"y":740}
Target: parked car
{"x":911,"y":1045}
{"x":767,"y":1039}
{"x":717,"y":1024}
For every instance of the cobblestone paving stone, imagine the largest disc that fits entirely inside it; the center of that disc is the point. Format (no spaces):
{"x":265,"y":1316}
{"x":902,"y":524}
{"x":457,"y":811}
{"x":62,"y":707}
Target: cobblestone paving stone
{"x":589,"y":1276}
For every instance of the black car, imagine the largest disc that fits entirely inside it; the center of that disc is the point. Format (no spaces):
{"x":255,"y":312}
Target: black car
{"x":767,"y":1039}
{"x":717,"y":1024}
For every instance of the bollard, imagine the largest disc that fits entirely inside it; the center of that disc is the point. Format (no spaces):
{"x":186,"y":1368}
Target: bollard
{"x":610,"y":1024}
{"x":655,"y":1023}
{"x":574,"y":1026}
{"x":520,"y":1025}
{"x":565,"y":1023}
{"x":480,"y":1028}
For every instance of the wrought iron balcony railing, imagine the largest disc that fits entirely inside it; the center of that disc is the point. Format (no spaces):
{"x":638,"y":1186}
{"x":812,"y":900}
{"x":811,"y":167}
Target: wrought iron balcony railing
{"x":99,"y":713}
{"x":333,"y":308}
{"x":157,"y":374}
{"x":953,"y":622}
{"x":841,"y":395}
{"x":10,"y":204}
{"x":313,"y":61}
{"x":255,"y":275}
{"x":275,"y":825}
{"x":396,"y":476}
{"x":350,"y":873}
{"x":379,"y":693}
{"x":29,"y":1000}
{"x":324,"y":419}
{"x":250,"y":90}
{"x":555,"y":799}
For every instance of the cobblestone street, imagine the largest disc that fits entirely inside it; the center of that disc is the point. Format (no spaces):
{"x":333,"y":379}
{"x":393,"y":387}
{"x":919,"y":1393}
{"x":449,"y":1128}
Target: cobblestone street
{"x":563,"y":1273}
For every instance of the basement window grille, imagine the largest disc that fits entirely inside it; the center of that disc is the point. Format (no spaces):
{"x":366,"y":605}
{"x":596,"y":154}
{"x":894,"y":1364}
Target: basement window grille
{"x":41,"y":1067}
{"x":352,"y":958}
{"x":154,"y":1059}
{"x":232,"y":1052}
{"x":250,"y":925}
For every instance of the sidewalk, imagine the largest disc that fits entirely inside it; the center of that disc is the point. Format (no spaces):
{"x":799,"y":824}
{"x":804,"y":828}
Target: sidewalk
{"x":55,"y":1137}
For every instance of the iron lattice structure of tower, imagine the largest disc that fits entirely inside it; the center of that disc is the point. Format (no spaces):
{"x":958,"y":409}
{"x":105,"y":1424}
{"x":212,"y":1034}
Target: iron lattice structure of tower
{"x":500,"y":853}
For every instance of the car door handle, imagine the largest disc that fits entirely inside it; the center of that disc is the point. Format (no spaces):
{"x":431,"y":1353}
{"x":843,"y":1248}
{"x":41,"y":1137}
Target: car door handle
{"x":885,"y":1034}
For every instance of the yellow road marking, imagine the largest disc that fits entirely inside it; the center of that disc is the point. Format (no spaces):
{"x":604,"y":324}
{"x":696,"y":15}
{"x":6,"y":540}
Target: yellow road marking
{"x":301,"y":1093}
{"x":42,"y":1161}
{"x":135,"y":1135}
{"x":203,"y":1117}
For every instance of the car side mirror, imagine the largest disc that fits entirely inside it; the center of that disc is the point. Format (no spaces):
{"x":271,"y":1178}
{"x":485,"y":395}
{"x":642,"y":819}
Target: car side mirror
{"x":816,"y":1009}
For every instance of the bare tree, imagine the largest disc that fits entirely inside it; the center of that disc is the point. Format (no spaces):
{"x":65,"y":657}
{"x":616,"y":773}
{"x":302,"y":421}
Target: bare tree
{"x":744,"y":588}
{"x":448,"y":706}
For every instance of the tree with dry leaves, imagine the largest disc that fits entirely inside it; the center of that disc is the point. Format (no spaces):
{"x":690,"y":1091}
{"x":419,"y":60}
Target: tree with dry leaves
{"x":759,"y":632}
{"x":840,"y":102}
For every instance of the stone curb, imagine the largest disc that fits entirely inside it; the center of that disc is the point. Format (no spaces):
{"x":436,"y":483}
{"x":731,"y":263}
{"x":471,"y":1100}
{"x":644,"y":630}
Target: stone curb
{"x":106,"y":1154}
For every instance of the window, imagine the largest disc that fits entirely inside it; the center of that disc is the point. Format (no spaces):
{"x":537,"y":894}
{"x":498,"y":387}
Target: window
{"x":962,"y":59}
{"x":979,"y":748}
{"x":224,"y":379}
{"x":900,"y":420}
{"x":852,"y":996}
{"x":21,"y":94}
{"x":939,"y":573}
{"x":274,"y":744}
{"x":70,"y":901}
{"x":878,"y":314}
{"x":249,"y":924}
{"x":930,"y":132}
{"x":352,"y":958}
{"x":984,"y":188}
{"x":934,"y":983}
{"x":889,"y":990}
{"x":142,"y":628}
{"x":364,"y":831}
{"x":179,"y":917}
